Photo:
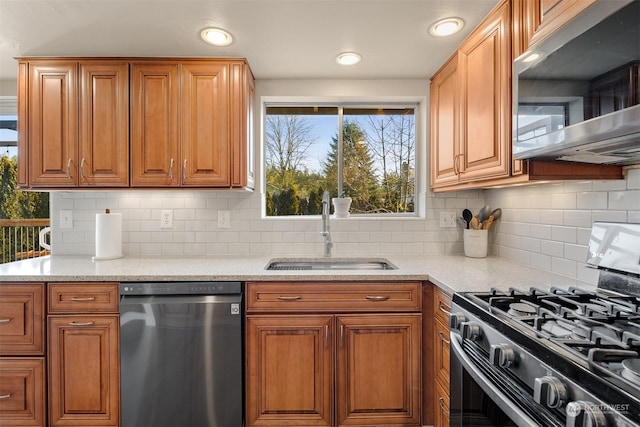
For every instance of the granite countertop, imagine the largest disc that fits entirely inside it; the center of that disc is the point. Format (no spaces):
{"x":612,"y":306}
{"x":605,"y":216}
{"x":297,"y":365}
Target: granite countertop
{"x":452,"y":273}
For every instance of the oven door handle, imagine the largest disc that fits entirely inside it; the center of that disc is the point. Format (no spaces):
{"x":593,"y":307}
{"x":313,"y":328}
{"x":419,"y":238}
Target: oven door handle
{"x":500,"y":399}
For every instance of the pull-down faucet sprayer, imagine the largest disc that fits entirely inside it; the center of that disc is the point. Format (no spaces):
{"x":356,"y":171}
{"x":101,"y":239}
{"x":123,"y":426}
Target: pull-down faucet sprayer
{"x":326,"y":229}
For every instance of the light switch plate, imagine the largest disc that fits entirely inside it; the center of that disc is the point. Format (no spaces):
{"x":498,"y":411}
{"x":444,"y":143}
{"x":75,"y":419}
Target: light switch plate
{"x":66,"y":219}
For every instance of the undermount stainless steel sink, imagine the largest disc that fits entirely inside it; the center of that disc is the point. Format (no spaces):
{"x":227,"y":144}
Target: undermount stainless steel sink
{"x":331,"y":264}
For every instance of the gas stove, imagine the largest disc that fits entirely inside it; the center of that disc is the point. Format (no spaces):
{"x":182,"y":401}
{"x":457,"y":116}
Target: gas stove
{"x":565,"y":357}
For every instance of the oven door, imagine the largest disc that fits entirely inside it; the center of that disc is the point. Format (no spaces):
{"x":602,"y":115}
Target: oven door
{"x":482,"y":395}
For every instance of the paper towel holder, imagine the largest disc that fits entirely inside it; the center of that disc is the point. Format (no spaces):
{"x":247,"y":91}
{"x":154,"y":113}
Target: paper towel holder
{"x":108,"y":253}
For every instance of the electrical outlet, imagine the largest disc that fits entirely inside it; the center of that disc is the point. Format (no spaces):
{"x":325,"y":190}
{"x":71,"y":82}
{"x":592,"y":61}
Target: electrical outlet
{"x":224,"y":219}
{"x":166,"y":219}
{"x":66,"y":219}
{"x":447,"y":219}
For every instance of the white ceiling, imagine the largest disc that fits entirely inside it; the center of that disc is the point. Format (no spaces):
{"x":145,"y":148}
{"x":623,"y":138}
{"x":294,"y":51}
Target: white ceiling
{"x":280,"y":38}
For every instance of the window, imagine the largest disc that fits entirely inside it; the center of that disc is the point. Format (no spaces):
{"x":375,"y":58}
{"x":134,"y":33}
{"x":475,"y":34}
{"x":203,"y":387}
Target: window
{"x":372,"y":160}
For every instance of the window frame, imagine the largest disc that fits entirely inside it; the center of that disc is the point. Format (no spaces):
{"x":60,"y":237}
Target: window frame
{"x":417,"y":103}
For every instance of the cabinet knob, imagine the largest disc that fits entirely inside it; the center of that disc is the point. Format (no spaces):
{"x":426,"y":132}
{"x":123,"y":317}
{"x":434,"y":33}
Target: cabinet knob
{"x":549,"y":391}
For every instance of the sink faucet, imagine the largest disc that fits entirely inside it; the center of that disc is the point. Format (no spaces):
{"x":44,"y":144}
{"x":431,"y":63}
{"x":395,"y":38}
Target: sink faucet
{"x":326,"y":229}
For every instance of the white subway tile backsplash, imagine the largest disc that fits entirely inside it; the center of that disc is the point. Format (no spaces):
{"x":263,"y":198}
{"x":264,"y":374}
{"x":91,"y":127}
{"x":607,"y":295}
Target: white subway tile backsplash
{"x":624,"y":200}
{"x":633,"y":178}
{"x":592,"y":200}
{"x":545,"y":225}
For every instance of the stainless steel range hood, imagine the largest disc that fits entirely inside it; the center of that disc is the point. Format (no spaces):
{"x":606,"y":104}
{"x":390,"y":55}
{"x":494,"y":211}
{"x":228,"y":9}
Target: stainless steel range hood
{"x":610,"y":139}
{"x":577,"y":92}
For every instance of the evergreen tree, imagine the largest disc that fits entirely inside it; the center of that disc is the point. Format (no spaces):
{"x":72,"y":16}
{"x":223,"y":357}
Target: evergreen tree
{"x":359,"y":179}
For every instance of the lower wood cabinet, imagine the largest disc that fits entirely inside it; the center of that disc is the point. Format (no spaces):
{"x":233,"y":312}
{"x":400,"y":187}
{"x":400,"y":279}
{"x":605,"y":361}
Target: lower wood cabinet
{"x":22,"y":392}
{"x":83,"y":355}
{"x":22,"y":349}
{"x":323,"y":367}
{"x":441,"y":361}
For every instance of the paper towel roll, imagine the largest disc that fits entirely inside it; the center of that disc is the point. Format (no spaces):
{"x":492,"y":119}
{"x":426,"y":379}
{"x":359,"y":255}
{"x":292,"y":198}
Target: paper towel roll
{"x":108,"y":236}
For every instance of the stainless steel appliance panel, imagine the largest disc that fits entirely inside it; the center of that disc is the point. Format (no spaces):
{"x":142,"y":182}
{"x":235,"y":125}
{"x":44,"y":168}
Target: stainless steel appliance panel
{"x":181,"y":356}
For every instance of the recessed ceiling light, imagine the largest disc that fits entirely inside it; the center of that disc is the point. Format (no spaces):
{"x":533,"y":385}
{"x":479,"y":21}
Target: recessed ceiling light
{"x":216,"y":36}
{"x":446,"y":27}
{"x":348,"y":58}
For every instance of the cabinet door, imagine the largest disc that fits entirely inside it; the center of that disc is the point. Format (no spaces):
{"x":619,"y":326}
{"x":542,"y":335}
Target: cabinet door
{"x":242,"y":126}
{"x":205,"y":125}
{"x":22,"y":319}
{"x":289,"y":371}
{"x":378,"y":369}
{"x":84,"y":373}
{"x":155,"y":160}
{"x":104,"y":124}
{"x":445,"y":121}
{"x":485,"y":70}
{"x":22,"y":392}
{"x":53,"y":124}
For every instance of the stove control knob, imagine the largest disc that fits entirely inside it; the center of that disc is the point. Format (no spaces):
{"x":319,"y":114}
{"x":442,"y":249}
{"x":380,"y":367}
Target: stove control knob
{"x":502,"y":355}
{"x":549,"y":391}
{"x":455,"y":319}
{"x":585,"y":414}
{"x":470,"y":330}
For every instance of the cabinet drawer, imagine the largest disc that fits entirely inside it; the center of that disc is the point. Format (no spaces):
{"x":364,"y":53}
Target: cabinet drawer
{"x":441,"y":353}
{"x":442,"y":406}
{"x":333,"y":296}
{"x":22,"y":319}
{"x":442,"y":306}
{"x":83,"y":298}
{"x":22,"y":393}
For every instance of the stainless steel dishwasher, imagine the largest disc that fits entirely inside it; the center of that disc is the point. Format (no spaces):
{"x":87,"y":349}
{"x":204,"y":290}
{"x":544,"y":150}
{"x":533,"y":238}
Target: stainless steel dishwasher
{"x":181,"y":354}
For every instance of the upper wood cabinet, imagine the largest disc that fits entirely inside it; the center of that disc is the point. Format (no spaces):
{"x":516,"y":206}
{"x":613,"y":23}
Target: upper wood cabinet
{"x":76,"y":123}
{"x":471,"y":106}
{"x":190,"y":124}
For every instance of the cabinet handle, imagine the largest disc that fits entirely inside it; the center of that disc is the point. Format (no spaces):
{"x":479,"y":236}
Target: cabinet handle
{"x":326,"y":336}
{"x":441,"y":306}
{"x":443,"y":408}
{"x":5,"y":320}
{"x":83,"y":298}
{"x":69,"y":168}
{"x":341,"y":335}
{"x":442,"y":338}
{"x":80,"y":323}
{"x":184,"y":170}
{"x":5,"y":396}
{"x":377,"y":297}
{"x":284,"y":298}
{"x":171,"y":169}
{"x":82,"y":168}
